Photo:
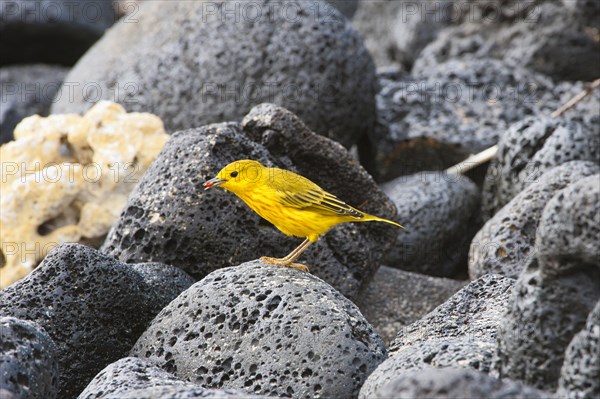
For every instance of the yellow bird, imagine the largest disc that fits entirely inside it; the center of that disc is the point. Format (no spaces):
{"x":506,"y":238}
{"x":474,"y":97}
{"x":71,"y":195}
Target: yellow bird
{"x":295,"y":205}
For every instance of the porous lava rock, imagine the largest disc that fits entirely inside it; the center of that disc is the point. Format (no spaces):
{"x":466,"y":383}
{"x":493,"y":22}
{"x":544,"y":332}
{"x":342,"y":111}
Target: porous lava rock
{"x":548,"y":39}
{"x":131,"y":377}
{"x":441,"y":214}
{"x":92,"y":306}
{"x":449,"y":383}
{"x":28,"y":366}
{"x":165,"y":281}
{"x":557,"y":289}
{"x":434,"y":119}
{"x":531,"y":147}
{"x":580,"y":373}
{"x":461,"y":332}
{"x":266,"y":330}
{"x":171,"y":219}
{"x":218,"y":59}
{"x":396,"y":298}
{"x":507,"y":240}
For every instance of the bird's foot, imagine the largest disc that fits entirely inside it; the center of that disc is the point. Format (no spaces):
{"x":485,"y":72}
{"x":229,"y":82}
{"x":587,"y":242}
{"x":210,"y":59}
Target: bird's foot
{"x":280,"y":262}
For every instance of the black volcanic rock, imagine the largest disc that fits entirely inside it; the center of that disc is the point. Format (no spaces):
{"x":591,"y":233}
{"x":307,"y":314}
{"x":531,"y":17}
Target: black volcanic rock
{"x":449,"y":383}
{"x":461,"y":332}
{"x":531,"y":147}
{"x":28,"y":366}
{"x":441,"y":214}
{"x":218,"y":59}
{"x":396,"y":298}
{"x":92,"y":306}
{"x":136,"y":378}
{"x":266,"y":330}
{"x":507,"y":240}
{"x":557,"y":289}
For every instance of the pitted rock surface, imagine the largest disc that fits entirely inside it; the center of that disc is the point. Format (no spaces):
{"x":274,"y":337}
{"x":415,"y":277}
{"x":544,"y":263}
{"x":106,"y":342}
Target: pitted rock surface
{"x":580,"y":373}
{"x":530,"y":148}
{"x":92,"y":306}
{"x":266,"y":330}
{"x":170,"y":218}
{"x":435,"y":119}
{"x":28,"y":366}
{"x":441,"y":214}
{"x":165,"y":281}
{"x":556,"y":291}
{"x":569,"y":232}
{"x":505,"y":242}
{"x":218,"y":59}
{"x":396,"y":298}
{"x":128,"y":374}
{"x":396,"y":31}
{"x":449,"y":383}
{"x":547,"y":39}
{"x":136,"y":378}
{"x":458,"y":333}
{"x":184,"y":392}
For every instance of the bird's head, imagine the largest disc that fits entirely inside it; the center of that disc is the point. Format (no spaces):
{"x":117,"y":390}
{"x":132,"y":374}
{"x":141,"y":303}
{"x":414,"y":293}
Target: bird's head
{"x":238,"y":176}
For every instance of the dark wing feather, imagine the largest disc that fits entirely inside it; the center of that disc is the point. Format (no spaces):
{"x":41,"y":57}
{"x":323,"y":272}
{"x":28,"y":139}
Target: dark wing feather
{"x":297,"y":191}
{"x":320,"y":201}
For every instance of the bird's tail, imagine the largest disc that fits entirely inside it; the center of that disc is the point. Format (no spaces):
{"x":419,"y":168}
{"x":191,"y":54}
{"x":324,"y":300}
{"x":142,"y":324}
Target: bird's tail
{"x":371,"y":218}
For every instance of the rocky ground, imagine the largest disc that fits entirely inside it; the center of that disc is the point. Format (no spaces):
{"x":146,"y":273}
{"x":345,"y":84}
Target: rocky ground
{"x":493,"y":289}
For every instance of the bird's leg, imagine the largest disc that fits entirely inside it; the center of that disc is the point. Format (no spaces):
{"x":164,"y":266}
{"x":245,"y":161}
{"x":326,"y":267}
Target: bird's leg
{"x":291,"y":258}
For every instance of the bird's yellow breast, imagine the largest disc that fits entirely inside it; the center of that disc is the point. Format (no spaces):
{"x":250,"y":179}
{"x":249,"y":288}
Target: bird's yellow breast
{"x":291,"y":221}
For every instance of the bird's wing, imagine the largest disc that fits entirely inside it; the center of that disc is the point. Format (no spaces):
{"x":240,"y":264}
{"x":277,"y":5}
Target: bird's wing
{"x":302,"y":193}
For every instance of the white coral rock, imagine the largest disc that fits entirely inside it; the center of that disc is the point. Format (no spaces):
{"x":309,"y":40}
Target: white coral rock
{"x":66,"y":178}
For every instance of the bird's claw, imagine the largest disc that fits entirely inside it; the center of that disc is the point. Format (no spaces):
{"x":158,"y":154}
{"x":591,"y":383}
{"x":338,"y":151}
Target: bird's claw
{"x":278,"y":262}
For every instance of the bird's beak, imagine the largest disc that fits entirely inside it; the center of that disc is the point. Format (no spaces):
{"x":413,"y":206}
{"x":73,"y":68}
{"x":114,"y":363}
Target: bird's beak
{"x":213,"y":182}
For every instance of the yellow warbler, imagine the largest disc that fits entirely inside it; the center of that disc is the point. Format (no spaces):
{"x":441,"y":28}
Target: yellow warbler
{"x":295,"y":205}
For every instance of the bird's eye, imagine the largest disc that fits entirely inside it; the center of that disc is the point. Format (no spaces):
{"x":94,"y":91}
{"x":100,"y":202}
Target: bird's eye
{"x":234,"y":174}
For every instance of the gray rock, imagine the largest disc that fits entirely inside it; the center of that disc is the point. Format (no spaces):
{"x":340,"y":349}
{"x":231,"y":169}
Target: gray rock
{"x":580,"y":373}
{"x":375,"y":21}
{"x":178,"y":392}
{"x":530,"y":148}
{"x":460,"y":332}
{"x":52,"y":32}
{"x":28,"y":367}
{"x":26,"y":90}
{"x":556,"y":291}
{"x":396,"y":31}
{"x":548,"y":39}
{"x":166,"y":281}
{"x":396,"y":298}
{"x":265,"y":330}
{"x":136,"y":378}
{"x":588,"y":11}
{"x":569,"y":232}
{"x":450,"y":383}
{"x":128,"y":374}
{"x":346,"y":7}
{"x":92,"y":306}
{"x":436,"y":118}
{"x":441,"y":214}
{"x":170,"y":218}
{"x":213,"y":65}
{"x":507,"y":240}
